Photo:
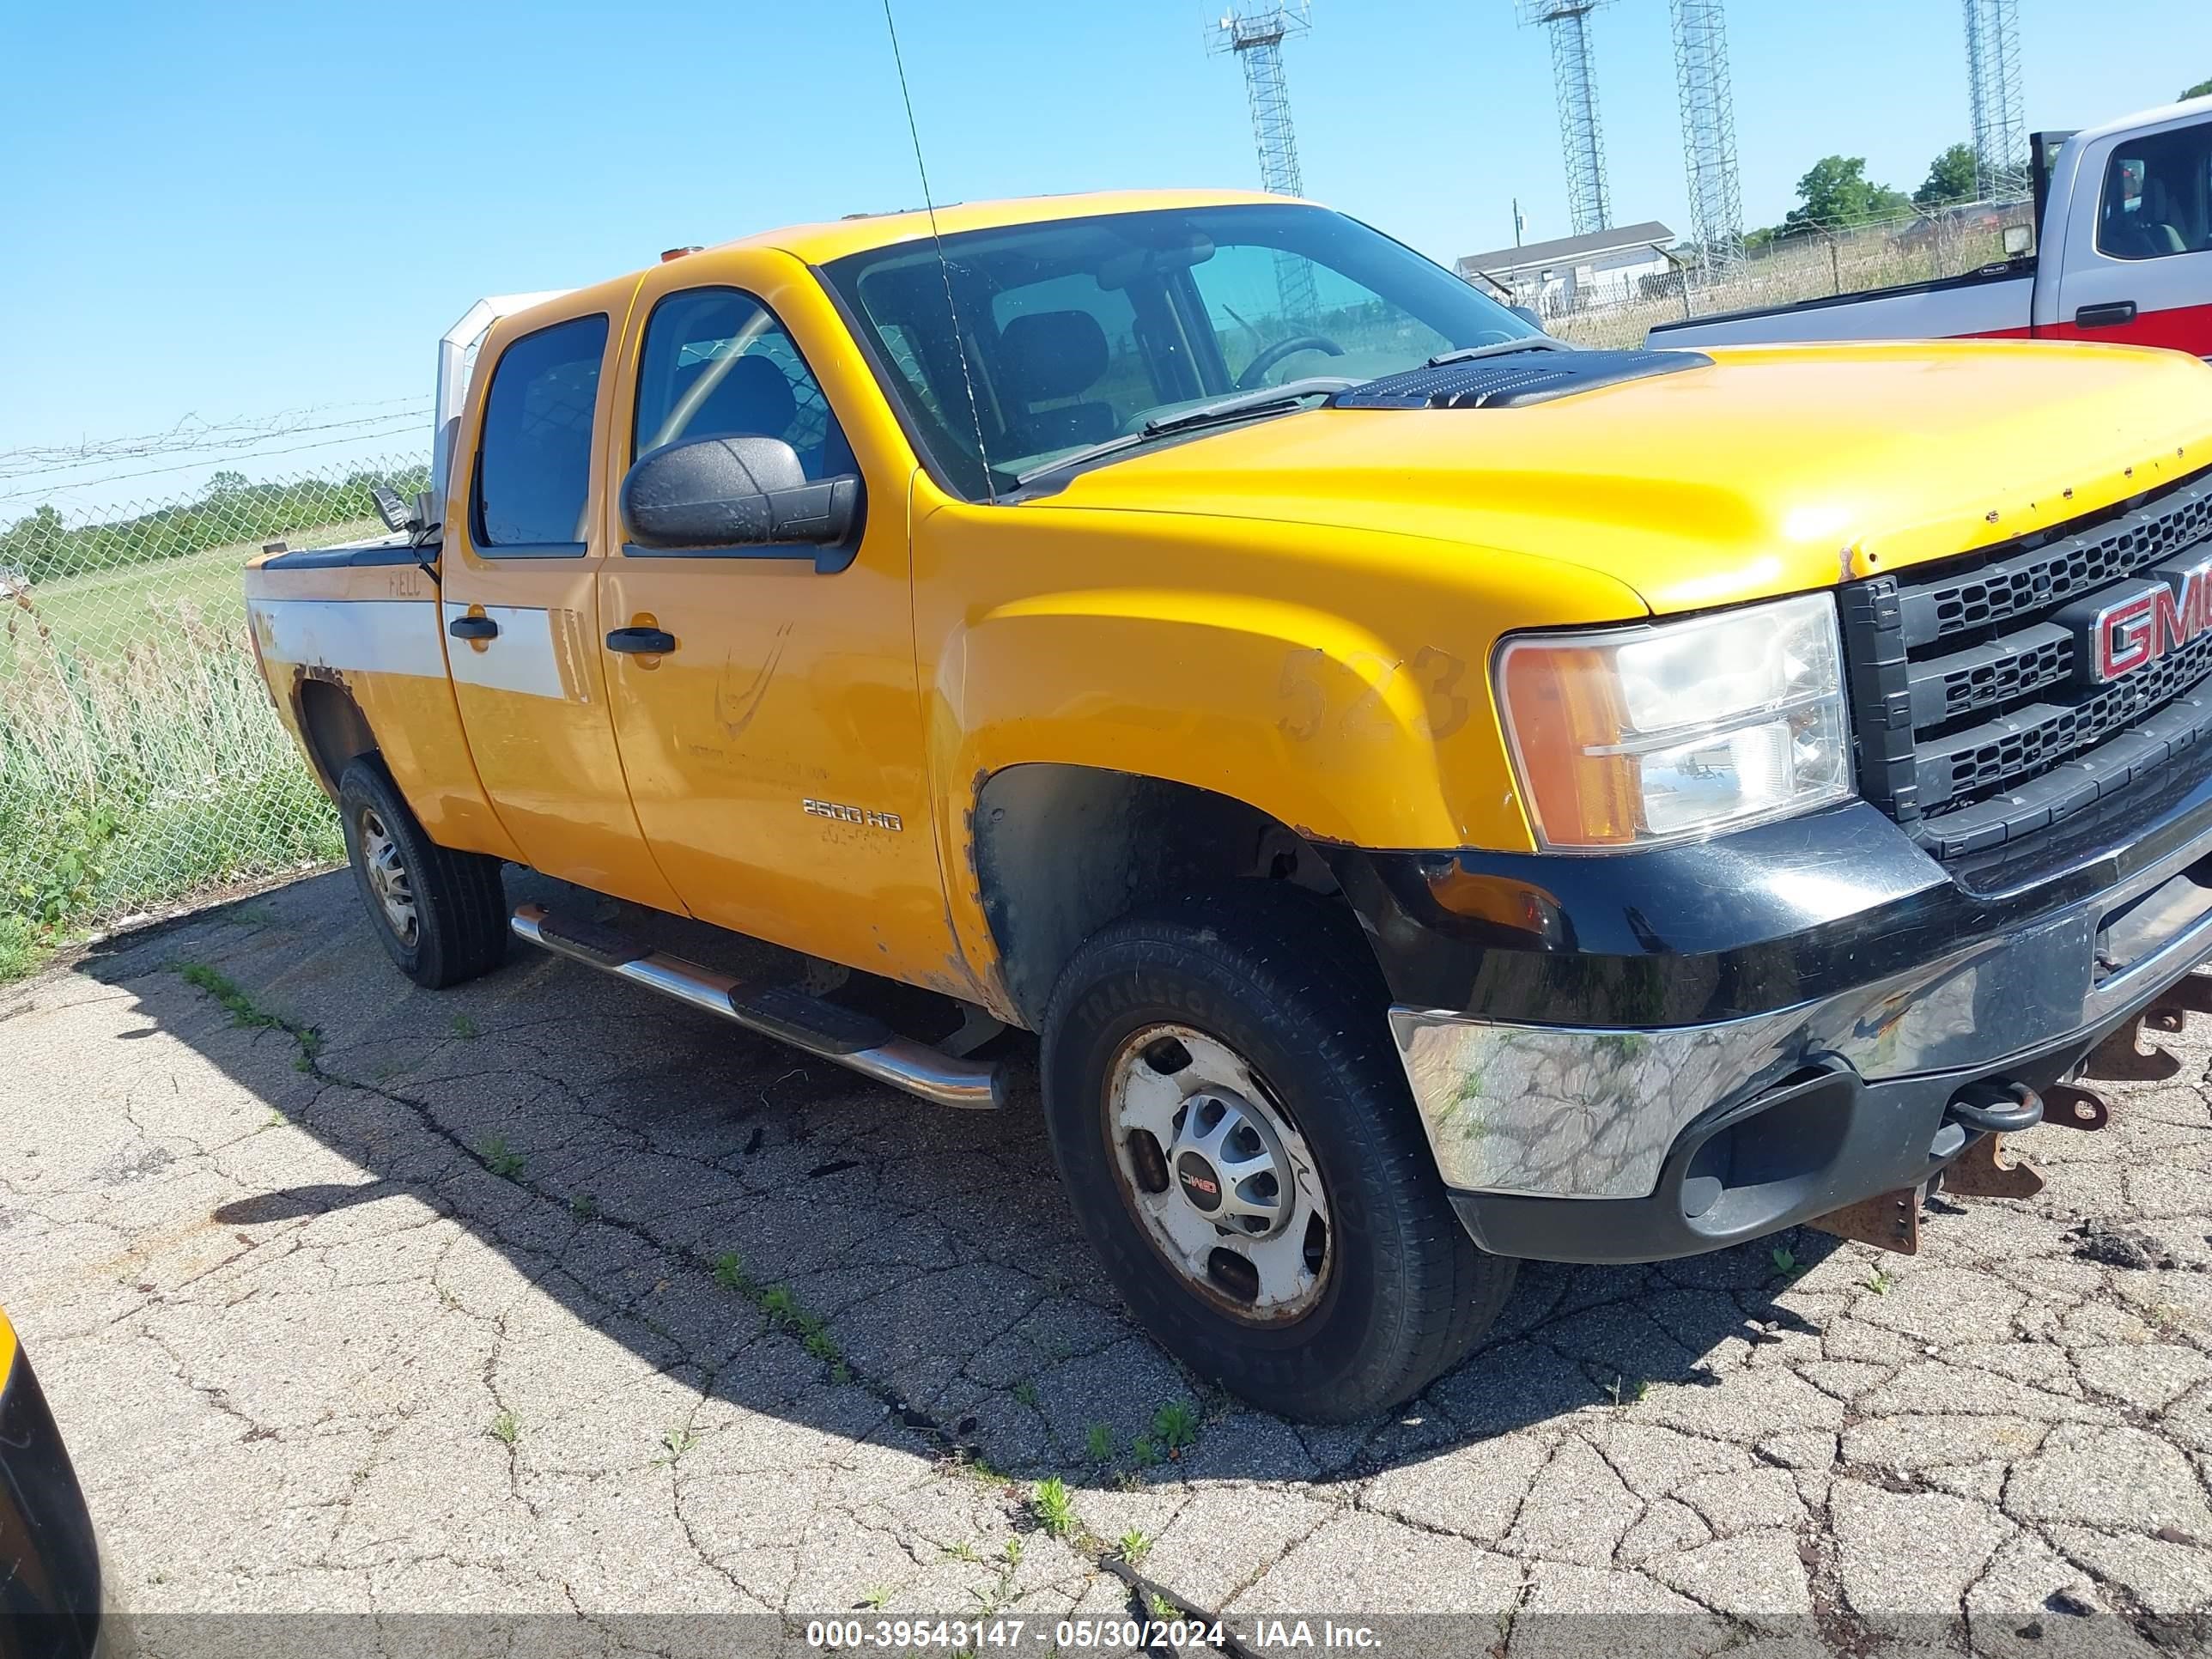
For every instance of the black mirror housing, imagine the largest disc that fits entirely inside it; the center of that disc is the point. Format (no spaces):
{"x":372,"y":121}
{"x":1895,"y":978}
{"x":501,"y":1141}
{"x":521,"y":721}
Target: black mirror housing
{"x":707,"y":495}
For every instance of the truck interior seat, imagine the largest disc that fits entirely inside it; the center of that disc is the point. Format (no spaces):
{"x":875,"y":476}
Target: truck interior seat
{"x":1047,"y":355}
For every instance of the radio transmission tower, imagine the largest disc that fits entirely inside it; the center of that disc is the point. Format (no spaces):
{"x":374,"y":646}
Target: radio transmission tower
{"x":2000,"y":113}
{"x":1574,"y":78}
{"x":1256,"y":35}
{"x":1701,"y":74}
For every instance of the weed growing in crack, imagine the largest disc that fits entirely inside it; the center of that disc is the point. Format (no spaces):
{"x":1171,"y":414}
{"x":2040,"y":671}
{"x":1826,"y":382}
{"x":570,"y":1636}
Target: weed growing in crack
{"x":506,"y":1428}
{"x":675,"y":1444}
{"x":245,"y":1012}
{"x":1160,"y":1608}
{"x":1625,"y":1393}
{"x":874,"y":1597}
{"x":1134,"y":1547}
{"x":1098,"y":1443}
{"x":584,"y":1207}
{"x":501,"y":1159}
{"x":1025,"y":1393}
{"x":1012,"y":1551}
{"x":1784,"y":1261}
{"x":1879,"y":1282}
{"x":463,"y":1027}
{"x":963,"y":1551}
{"x":781,"y":1306}
{"x":1145,"y":1452}
{"x":730,"y":1273}
{"x":1176,"y":1427}
{"x":1053,"y":1511}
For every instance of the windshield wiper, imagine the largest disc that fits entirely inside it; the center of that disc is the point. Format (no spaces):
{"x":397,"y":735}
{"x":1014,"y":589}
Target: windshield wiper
{"x":1498,"y":349}
{"x":1258,"y":401}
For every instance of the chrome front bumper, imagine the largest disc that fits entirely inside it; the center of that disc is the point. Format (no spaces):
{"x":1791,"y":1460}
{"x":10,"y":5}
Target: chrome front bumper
{"x":1576,"y":1112}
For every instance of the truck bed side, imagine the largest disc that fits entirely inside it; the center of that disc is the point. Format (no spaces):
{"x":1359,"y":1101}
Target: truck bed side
{"x":1993,"y":301}
{"x":350,"y":643}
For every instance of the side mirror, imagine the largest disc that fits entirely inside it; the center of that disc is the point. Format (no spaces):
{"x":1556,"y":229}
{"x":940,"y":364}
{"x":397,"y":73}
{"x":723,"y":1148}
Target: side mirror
{"x":709,"y":494}
{"x":1526,"y":314}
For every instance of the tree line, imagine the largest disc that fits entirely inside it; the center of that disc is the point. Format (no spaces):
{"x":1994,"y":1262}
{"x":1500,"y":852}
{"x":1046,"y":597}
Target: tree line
{"x":230,"y":511}
{"x":1836,"y":194}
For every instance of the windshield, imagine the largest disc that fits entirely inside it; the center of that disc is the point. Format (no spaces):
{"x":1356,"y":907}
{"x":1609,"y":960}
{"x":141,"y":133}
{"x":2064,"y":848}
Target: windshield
{"x":1077,"y":332}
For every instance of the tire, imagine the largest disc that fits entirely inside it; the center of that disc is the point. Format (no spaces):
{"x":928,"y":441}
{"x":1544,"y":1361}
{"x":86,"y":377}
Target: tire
{"x":455,"y":902}
{"x":1281,"y":980}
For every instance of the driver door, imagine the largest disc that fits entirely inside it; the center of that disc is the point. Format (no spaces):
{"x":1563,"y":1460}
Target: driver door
{"x":774,"y":749}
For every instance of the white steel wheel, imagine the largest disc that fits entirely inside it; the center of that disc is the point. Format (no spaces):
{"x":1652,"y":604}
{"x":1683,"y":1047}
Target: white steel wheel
{"x":1225,"y":1185}
{"x":385,"y":865}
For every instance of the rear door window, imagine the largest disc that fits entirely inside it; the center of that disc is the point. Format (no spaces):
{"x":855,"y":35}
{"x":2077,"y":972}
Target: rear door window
{"x":534,"y":459}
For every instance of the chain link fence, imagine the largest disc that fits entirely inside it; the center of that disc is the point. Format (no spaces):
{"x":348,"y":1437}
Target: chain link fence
{"x":141,"y":761}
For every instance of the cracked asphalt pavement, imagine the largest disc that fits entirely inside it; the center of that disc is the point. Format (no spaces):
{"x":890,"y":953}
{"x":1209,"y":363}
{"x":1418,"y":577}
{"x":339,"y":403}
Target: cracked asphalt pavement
{"x":543,"y":1295}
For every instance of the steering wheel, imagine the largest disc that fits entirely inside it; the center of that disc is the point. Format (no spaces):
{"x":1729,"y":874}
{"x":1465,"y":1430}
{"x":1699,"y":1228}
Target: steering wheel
{"x":1255,"y":371}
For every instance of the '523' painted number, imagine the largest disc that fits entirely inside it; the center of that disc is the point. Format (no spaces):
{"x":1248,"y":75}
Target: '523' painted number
{"x":1438,"y":674}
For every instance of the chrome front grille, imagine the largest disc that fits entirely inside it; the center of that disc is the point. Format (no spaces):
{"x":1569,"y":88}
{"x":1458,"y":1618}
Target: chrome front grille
{"x":1975,"y":720}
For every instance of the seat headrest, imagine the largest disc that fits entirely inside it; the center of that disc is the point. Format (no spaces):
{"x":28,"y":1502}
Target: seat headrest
{"x":752,"y":399}
{"x":1053,"y":354}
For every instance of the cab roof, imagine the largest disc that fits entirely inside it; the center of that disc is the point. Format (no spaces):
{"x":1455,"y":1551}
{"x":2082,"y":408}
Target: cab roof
{"x":818,"y":244}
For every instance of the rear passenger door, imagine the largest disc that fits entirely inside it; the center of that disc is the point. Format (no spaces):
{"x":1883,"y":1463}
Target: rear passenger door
{"x":2138,"y":255}
{"x":520,"y":607}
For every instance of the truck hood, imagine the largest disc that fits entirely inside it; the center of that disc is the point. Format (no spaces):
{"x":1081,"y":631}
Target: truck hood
{"x":1776,"y":470}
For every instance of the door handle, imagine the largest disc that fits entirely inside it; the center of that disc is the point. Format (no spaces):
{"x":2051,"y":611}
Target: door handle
{"x":473,"y":628}
{"x":2105,"y":316}
{"x":641,"y":641}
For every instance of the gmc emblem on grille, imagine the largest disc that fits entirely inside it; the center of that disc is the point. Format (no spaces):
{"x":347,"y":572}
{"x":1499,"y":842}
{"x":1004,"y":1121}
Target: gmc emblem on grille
{"x":2117,"y":633}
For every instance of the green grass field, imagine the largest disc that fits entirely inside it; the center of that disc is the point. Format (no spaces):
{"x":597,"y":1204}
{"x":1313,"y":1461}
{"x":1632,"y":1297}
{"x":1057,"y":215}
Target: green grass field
{"x":101,"y":613}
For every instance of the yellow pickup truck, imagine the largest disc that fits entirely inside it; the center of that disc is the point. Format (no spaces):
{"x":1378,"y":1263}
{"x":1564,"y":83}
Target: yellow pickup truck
{"x":1442,"y":798}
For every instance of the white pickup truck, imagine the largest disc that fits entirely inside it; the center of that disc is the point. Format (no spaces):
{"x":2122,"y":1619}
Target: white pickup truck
{"x":2123,"y":230}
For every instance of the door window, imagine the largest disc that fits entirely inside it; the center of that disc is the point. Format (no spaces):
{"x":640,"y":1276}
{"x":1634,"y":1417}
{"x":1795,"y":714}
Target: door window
{"x":2158,"y":196}
{"x":717,"y":363}
{"x":534,"y":459}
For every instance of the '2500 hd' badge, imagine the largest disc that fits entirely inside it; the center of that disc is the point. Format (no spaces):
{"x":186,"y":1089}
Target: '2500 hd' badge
{"x":859,"y":814}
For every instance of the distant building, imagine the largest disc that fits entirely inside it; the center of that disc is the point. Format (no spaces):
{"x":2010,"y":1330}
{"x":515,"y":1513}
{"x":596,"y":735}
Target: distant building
{"x":1606,"y":267}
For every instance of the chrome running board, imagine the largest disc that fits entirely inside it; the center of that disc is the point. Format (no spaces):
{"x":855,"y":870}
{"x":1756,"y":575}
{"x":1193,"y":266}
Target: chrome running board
{"x":786,"y":1013}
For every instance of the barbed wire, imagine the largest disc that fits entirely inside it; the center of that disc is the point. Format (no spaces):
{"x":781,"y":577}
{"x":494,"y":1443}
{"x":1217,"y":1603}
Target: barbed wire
{"x":193,"y":435}
{"x":400,"y":424}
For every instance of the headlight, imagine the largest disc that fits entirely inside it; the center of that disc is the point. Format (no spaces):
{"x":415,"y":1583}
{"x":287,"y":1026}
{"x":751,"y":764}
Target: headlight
{"x":1675,"y":730}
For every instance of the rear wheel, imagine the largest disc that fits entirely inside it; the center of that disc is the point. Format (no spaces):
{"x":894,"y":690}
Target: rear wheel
{"x":442,"y":915}
{"x":1235,"y":1131}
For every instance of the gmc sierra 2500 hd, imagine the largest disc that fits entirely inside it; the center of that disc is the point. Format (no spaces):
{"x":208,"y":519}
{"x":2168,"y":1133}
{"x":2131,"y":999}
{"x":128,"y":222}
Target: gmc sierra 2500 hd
{"x":1442,"y":797}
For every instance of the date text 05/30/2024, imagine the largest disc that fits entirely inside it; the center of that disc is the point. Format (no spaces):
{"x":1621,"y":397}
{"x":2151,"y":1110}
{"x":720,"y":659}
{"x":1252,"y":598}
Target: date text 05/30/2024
{"x":1072,"y":1635}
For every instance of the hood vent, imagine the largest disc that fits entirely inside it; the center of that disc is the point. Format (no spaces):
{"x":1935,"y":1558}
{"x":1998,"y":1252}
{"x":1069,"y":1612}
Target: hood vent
{"x":1514,"y":380}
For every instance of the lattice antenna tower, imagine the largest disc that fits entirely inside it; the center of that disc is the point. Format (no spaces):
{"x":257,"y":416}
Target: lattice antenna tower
{"x":1993,"y":86}
{"x":1701,"y":76}
{"x":1256,"y":35}
{"x":1574,"y":79}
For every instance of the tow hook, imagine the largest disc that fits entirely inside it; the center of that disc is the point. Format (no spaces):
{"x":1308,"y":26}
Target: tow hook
{"x":1992,"y":1111}
{"x":1996,"y":1109}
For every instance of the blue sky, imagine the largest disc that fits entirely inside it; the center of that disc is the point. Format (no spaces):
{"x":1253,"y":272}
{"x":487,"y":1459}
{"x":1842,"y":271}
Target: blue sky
{"x":230,"y":209}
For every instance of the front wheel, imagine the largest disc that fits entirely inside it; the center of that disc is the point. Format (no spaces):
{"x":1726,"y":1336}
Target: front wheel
{"x":1233,"y":1128}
